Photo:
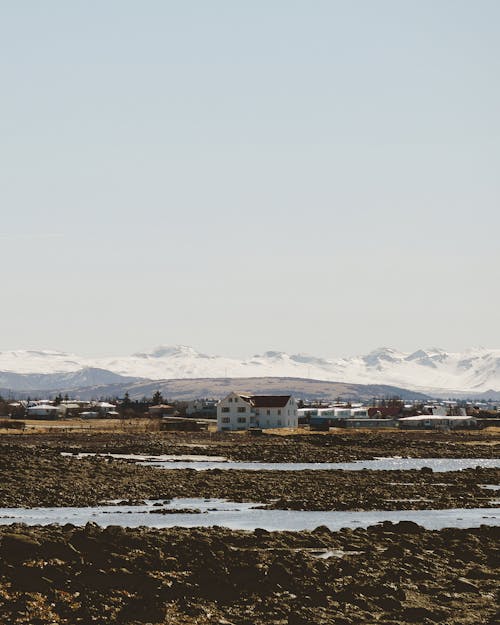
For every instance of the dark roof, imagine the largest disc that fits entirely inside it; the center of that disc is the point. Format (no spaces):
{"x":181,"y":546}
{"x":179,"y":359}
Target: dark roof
{"x":267,"y":401}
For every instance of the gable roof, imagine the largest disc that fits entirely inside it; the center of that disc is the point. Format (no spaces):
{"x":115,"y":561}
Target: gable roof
{"x":267,"y":401}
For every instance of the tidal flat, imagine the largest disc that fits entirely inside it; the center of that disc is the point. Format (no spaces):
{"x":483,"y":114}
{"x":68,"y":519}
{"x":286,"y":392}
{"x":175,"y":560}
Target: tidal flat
{"x":389,"y":573}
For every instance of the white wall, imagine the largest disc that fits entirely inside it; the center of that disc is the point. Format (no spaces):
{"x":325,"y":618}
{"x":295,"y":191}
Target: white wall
{"x":233,"y":413}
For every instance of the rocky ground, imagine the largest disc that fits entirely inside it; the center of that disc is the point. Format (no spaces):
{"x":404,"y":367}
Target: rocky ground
{"x":37,"y":476}
{"x":338,"y":446}
{"x":390,"y":574}
{"x":386,"y":575}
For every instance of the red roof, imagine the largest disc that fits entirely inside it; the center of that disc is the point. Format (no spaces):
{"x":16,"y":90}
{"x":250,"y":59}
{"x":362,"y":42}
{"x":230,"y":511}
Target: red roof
{"x":267,"y":401}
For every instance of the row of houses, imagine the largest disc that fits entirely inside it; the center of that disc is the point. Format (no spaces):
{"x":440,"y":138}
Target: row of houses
{"x":47,"y":409}
{"x":243,"y":412}
{"x":239,"y":411}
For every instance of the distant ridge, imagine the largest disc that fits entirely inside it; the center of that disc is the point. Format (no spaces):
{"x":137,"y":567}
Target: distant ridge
{"x":185,"y":389}
{"x":432,"y":371}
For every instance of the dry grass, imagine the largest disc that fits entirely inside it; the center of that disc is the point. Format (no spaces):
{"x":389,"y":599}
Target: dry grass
{"x":40,"y":426}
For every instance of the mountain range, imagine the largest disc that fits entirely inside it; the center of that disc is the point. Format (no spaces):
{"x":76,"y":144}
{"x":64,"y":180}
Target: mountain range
{"x":434,"y":371}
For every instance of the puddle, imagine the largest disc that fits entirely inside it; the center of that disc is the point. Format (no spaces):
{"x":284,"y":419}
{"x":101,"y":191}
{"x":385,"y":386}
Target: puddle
{"x":204,"y":463}
{"x":243,"y":516}
{"x":141,"y":459}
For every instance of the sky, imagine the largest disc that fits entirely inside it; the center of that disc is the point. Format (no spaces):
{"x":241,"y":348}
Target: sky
{"x":315,"y":176}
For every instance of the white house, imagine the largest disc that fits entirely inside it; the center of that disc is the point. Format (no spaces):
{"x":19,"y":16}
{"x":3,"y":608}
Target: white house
{"x":436,"y":422}
{"x":42,"y":410}
{"x":333,"y":412}
{"x":240,"y":412}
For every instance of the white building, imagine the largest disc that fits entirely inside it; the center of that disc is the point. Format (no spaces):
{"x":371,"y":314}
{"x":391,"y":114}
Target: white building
{"x":436,"y":422}
{"x":42,"y":410}
{"x":333,"y":412}
{"x":240,"y":412}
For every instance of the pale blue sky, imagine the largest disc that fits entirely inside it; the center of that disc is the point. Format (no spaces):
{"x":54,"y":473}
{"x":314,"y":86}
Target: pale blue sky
{"x":318,"y":176}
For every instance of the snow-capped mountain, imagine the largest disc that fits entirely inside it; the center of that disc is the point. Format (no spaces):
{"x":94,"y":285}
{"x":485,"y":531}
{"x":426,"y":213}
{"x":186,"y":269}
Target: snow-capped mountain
{"x":429,"y":370}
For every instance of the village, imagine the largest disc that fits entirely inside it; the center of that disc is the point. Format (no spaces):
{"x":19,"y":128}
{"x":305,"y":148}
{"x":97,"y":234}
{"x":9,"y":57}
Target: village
{"x":254,"y":413}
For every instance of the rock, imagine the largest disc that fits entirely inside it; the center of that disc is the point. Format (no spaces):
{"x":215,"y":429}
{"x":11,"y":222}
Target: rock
{"x":19,"y":548}
{"x":479,"y":572}
{"x":279,"y":575}
{"x":297,"y":619}
{"x":408,"y":527}
{"x":52,"y":549}
{"x":464,"y":585}
{"x":416,"y":614}
{"x":388,"y":604}
{"x":29,"y":579}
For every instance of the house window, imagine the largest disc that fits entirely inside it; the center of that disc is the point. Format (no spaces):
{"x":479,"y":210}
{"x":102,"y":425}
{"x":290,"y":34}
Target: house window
{"x":226,"y":420}
{"x":279,"y":410}
{"x":242,"y":419}
{"x":268,"y":412}
{"x":231,"y":399}
{"x":225,"y":409}
{"x":279,"y":421}
{"x":242,"y":409}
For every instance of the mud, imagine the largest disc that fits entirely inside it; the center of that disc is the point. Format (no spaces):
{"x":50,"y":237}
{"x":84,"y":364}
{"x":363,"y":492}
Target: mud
{"x":344,"y":446}
{"x":33,"y":475}
{"x":389,"y":574}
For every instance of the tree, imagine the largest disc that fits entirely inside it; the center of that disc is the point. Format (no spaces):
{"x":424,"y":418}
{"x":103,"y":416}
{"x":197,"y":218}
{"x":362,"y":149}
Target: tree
{"x":157,"y":398}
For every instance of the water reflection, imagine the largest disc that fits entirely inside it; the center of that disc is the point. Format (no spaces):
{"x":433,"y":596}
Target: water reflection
{"x":244,"y":516}
{"x":203,"y":463}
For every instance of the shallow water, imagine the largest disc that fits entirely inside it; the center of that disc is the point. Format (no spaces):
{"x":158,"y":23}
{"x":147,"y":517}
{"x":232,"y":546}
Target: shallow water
{"x":203,"y":463}
{"x":244,"y":516}
{"x":146,"y":458}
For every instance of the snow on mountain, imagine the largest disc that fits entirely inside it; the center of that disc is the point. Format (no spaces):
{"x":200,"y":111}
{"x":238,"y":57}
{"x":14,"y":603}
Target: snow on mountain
{"x":427,"y":370}
{"x":40,"y":361}
{"x":82,"y":378}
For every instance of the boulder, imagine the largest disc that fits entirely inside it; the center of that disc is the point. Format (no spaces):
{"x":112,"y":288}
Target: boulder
{"x":19,"y":548}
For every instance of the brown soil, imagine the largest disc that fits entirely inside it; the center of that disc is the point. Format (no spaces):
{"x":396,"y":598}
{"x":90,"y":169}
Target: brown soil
{"x":338,"y":446}
{"x":40,"y":476}
{"x":388,"y":574}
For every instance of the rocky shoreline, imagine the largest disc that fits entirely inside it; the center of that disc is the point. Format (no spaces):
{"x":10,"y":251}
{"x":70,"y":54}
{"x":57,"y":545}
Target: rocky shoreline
{"x":387,"y":574}
{"x":90,"y":481}
{"x":338,"y":446}
{"x":390,"y":574}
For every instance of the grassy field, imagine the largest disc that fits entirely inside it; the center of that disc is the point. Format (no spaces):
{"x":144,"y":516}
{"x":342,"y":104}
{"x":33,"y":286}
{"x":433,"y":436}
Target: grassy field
{"x":146,"y":424}
{"x":40,"y":426}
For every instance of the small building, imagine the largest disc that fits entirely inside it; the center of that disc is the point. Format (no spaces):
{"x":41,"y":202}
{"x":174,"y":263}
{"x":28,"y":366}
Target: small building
{"x":370,"y":423}
{"x":68,"y":409}
{"x":206,"y":408}
{"x":359,"y":413}
{"x":241,"y":412}
{"x":335,"y":417}
{"x":436,"y":422}
{"x":42,"y":411}
{"x":89,"y":414}
{"x":161,"y":410}
{"x":106,"y":409}
{"x":183,"y":424}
